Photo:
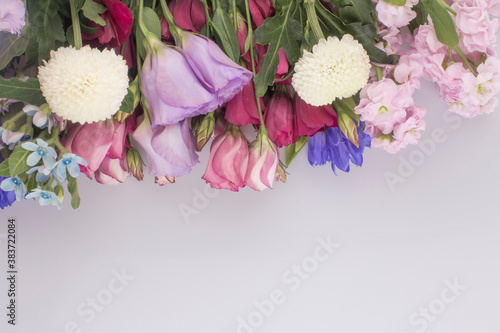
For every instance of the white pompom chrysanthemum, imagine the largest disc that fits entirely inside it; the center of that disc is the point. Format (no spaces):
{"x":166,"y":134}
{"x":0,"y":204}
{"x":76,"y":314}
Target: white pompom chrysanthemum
{"x":335,"y":69}
{"x":84,"y":85}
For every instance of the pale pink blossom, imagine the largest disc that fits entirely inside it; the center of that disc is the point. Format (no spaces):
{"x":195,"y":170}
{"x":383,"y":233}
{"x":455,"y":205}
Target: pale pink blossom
{"x":477,"y":30}
{"x":12,"y":16}
{"x":396,"y":16}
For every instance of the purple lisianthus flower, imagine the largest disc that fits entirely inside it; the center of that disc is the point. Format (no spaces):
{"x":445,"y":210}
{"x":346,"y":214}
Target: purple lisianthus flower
{"x":333,"y":146}
{"x":171,"y":87}
{"x":12,"y":16}
{"x":222,"y":76}
{"x":171,"y":149}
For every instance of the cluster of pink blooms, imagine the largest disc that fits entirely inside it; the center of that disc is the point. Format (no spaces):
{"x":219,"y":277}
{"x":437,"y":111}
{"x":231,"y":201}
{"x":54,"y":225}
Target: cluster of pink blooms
{"x":467,"y":86}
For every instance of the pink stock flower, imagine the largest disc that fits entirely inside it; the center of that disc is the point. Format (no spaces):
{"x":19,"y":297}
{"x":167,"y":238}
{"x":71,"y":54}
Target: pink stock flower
{"x":262,"y":163}
{"x":383,"y":104}
{"x":280,"y":119}
{"x":311,"y":119}
{"x":395,"y":16}
{"x":477,"y":30}
{"x":228,"y":161}
{"x":405,"y":133}
{"x":409,"y":69}
{"x":12,"y":16}
{"x":392,"y":40}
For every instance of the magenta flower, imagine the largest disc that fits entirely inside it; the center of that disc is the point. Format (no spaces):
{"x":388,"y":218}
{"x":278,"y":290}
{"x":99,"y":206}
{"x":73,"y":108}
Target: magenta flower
{"x":280,"y":119}
{"x":222,"y":76}
{"x":12,"y":16}
{"x":262,"y":163}
{"x":227,"y":165}
{"x":171,"y":150}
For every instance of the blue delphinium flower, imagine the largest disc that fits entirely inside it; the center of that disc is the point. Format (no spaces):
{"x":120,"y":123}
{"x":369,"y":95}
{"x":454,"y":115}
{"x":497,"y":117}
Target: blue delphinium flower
{"x":70,"y":162}
{"x":7,"y":198}
{"x":40,"y":151}
{"x":333,"y":146}
{"x":46,"y":197}
{"x":14,"y":184}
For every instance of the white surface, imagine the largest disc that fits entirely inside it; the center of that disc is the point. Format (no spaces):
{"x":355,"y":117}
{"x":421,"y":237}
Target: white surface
{"x":397,"y":248}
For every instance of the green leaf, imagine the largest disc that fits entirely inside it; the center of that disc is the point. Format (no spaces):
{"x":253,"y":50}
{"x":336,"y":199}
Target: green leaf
{"x":294,"y":149}
{"x":47,"y":24}
{"x":365,"y":10}
{"x":153,"y":24}
{"x":225,"y":34}
{"x":31,"y":184}
{"x":17,"y":161}
{"x":4,"y":169}
{"x":27,"y":91}
{"x":128,"y":102}
{"x":73,"y":190}
{"x":363,"y":33}
{"x":92,"y":11}
{"x":443,"y":23}
{"x":11,"y":46}
{"x":280,"y":32}
{"x":396,"y":2}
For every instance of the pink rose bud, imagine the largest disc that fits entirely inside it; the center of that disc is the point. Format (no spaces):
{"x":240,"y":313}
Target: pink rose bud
{"x":279,"y":118}
{"x":260,"y":10}
{"x":242,"y":109}
{"x":262,"y":162}
{"x":188,"y":14}
{"x":90,"y":141}
{"x":227,"y":165}
{"x":311,"y":119}
{"x":282,"y":68}
{"x":112,"y":171}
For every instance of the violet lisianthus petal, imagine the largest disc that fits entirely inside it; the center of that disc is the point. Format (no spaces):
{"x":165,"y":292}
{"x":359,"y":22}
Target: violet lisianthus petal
{"x":12,"y":16}
{"x":222,"y":76}
{"x":159,"y":165}
{"x":176,"y":144}
{"x":171,"y":88}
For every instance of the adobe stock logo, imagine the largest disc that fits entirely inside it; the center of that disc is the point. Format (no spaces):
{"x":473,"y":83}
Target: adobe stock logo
{"x":292,"y":278}
{"x":421,"y":319}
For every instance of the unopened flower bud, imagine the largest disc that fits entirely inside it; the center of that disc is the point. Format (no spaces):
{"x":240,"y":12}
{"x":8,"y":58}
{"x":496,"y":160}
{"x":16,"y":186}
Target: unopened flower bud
{"x":134,"y":163}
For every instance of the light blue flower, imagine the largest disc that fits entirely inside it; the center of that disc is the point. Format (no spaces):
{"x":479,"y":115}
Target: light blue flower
{"x":43,"y":173}
{"x":16,"y":184}
{"x":72,"y":163}
{"x":46,"y":198}
{"x":40,"y":119}
{"x":40,"y":151}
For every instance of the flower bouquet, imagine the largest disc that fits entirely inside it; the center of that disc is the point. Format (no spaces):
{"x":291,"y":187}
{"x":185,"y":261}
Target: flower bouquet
{"x":103,"y":87}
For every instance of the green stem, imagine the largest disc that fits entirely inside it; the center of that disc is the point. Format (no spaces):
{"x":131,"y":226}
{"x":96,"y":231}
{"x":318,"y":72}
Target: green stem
{"x":380,"y":75}
{"x":174,"y":29}
{"x":55,"y":140}
{"x":77,"y":33}
{"x":207,"y":17}
{"x":154,"y":5}
{"x":252,"y":60}
{"x":312,"y":18}
{"x":465,"y":60}
{"x":445,"y":6}
{"x":235,"y":14}
{"x":13,"y":119}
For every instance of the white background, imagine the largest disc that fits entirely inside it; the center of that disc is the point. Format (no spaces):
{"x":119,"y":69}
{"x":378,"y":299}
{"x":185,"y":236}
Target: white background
{"x":399,"y":250}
